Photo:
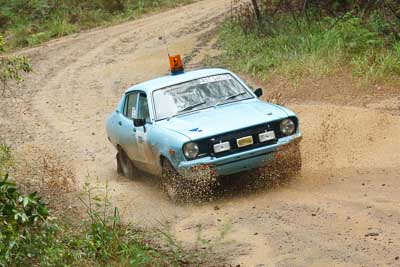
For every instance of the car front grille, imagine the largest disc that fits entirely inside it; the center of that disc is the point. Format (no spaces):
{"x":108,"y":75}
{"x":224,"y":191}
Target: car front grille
{"x":206,"y":145}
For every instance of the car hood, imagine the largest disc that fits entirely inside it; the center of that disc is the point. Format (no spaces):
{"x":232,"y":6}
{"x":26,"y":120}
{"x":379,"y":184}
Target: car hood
{"x":224,"y":118}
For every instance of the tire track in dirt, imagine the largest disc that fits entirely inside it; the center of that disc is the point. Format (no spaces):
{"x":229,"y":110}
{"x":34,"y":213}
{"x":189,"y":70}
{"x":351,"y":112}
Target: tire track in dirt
{"x":349,"y":183}
{"x":88,"y":75}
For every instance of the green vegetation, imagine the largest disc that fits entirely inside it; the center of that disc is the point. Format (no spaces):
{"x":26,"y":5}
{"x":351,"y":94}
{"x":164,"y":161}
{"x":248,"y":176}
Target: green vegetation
{"x":26,"y":23}
{"x":294,"y":42}
{"x":6,"y":160}
{"x":29,"y":235}
{"x":11,"y":68}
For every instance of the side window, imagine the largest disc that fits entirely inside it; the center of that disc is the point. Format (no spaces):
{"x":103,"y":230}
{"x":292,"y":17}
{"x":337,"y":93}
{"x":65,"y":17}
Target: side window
{"x":143,"y":108}
{"x":130,"y":106}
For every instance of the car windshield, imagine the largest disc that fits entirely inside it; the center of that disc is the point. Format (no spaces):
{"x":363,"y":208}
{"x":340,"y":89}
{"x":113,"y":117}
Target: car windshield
{"x":198,"y":94}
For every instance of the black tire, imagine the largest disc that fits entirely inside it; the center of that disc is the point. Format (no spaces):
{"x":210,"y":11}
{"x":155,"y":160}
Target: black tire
{"x":119,"y":167}
{"x":125,"y":165}
{"x":170,"y":180}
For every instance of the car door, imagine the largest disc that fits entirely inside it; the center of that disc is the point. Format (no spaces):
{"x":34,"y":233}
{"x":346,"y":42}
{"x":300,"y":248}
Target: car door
{"x":144,"y":151}
{"x":126,"y":129}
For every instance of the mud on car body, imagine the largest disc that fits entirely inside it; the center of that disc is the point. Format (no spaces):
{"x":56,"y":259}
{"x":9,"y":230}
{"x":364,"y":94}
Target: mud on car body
{"x":196,"y":126}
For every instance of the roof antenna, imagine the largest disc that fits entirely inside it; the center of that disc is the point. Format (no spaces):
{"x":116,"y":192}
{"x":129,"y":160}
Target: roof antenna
{"x":165,"y":41}
{"x":175,"y":61}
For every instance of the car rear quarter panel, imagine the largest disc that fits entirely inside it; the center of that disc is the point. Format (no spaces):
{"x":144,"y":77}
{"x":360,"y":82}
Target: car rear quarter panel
{"x":111,"y":128}
{"x":111,"y":122}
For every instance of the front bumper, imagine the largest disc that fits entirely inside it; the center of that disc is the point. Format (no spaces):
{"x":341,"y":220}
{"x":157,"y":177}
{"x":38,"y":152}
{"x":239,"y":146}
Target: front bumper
{"x":238,"y":162}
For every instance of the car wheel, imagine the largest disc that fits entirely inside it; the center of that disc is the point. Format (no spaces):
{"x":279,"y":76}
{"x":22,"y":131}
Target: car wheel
{"x":119,"y":167}
{"x":125,"y":165}
{"x":182,"y":189}
{"x":170,"y":180}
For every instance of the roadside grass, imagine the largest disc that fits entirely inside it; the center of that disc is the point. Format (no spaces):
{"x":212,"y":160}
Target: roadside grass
{"x":25,"y":24}
{"x":6,"y":159}
{"x":31,"y":236}
{"x":300,"y":48}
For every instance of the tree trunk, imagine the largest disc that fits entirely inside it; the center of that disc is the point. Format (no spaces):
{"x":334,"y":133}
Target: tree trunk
{"x":256,"y":9}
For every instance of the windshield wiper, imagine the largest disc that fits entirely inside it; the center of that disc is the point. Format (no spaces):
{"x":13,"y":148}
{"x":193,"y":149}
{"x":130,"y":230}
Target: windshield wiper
{"x":191,"y":107}
{"x":187,"y":109}
{"x":229,"y":98}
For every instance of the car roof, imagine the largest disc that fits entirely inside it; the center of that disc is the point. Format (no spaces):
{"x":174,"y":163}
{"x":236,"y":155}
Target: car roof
{"x":154,"y":84}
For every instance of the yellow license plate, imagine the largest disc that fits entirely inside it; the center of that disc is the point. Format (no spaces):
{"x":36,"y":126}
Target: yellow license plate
{"x":245,"y":141}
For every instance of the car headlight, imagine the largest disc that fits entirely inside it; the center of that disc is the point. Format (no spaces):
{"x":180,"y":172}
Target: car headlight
{"x":191,"y":150}
{"x":287,"y":126}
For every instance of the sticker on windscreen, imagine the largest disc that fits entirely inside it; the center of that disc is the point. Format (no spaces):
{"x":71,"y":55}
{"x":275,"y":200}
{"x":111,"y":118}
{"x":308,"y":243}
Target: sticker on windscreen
{"x":217,"y":78}
{"x":133,"y":114}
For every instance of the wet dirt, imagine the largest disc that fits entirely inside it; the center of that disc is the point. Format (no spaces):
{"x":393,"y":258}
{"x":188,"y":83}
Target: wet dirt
{"x":343,"y":210}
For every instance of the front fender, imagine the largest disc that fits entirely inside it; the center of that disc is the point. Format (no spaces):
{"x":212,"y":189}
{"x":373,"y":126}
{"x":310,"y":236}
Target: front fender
{"x":290,"y":113}
{"x":168,"y":143}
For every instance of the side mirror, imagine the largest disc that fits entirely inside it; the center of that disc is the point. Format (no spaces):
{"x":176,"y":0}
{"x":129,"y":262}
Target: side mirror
{"x":139,"y":122}
{"x":258,"y":92}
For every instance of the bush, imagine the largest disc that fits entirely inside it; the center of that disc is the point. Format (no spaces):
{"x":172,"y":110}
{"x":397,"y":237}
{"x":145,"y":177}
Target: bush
{"x":11,"y":68}
{"x":20,"y":219}
{"x":30,"y":236}
{"x":297,"y":47}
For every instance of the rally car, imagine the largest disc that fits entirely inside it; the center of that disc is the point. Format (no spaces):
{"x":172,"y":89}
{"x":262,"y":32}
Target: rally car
{"x":190,"y":128}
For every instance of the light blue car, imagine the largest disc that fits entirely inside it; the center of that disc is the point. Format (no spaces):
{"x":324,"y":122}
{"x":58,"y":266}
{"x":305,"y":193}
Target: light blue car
{"x":194,"y":127}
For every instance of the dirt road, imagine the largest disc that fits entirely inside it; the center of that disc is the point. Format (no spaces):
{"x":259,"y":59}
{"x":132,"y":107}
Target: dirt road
{"x":344,"y":210}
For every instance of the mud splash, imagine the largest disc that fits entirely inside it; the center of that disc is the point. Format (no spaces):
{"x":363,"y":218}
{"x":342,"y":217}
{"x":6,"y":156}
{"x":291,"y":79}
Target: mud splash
{"x":348,"y":186}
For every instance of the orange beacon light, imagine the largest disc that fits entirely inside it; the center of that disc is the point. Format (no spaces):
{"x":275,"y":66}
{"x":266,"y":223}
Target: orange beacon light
{"x":176,"y":65}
